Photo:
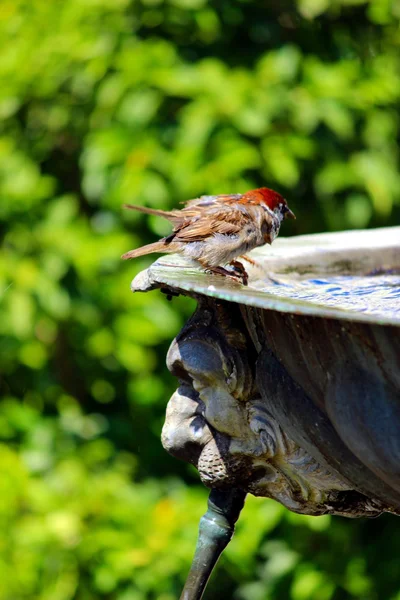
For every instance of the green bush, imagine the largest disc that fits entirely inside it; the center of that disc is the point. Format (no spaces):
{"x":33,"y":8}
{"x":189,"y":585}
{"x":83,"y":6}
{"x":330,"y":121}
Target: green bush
{"x":155,"y":102}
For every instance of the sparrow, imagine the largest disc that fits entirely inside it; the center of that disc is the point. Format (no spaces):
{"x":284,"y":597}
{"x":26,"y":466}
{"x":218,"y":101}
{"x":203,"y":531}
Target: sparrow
{"x":212,"y":231}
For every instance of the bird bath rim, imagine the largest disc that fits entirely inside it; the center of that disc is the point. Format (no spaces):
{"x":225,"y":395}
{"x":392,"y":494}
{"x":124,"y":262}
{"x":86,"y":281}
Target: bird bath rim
{"x":292,"y":262}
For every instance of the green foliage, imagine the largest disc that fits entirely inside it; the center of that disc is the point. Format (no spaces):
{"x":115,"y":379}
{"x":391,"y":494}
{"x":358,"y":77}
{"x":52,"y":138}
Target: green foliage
{"x":157,"y":101}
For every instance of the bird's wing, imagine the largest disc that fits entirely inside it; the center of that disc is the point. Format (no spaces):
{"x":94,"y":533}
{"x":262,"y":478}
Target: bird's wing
{"x":200,"y":223}
{"x":212,"y":200}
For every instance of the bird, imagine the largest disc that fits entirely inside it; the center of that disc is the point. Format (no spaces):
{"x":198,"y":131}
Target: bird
{"x":213,"y":231}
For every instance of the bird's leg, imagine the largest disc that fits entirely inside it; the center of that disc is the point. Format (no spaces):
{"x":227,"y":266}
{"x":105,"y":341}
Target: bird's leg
{"x":251,"y":261}
{"x":239,"y":268}
{"x":256,"y":264}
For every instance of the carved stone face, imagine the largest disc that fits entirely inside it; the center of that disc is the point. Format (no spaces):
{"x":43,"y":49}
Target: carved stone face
{"x":218,"y":421}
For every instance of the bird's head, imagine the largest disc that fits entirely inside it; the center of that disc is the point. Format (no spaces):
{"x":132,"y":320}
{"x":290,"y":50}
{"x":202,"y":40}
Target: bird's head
{"x":275,"y":202}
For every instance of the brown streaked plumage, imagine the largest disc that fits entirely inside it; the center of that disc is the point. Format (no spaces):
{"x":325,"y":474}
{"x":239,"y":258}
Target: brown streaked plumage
{"x":215,"y":230}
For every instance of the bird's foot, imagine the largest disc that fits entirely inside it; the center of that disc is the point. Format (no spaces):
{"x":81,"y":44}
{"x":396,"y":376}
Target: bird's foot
{"x":239,"y":278}
{"x":239,"y":268}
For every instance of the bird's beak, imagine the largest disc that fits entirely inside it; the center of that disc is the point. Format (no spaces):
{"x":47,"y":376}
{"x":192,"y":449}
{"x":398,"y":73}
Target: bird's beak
{"x":290,"y":215}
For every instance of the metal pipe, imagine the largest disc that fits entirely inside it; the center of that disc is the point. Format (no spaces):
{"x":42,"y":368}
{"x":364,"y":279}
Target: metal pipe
{"x":215,"y":532}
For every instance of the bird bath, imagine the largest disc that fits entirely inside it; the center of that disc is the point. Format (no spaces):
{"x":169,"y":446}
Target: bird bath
{"x":289,"y":387}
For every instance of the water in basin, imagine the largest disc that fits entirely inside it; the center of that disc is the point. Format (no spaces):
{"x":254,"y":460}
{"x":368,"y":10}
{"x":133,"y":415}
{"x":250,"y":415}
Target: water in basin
{"x":375,"y":294}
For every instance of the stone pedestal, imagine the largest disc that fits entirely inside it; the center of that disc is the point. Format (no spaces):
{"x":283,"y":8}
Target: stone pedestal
{"x":289,"y":388}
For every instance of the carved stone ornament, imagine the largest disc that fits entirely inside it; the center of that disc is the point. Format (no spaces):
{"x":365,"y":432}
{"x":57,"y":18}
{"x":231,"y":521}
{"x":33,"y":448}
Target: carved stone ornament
{"x":219,"y":421}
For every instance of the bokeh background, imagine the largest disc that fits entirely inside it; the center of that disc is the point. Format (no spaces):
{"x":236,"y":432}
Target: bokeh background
{"x":157,"y":101}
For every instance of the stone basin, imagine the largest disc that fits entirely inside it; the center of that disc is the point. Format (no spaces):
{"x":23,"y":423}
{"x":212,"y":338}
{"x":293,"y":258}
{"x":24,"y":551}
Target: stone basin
{"x":299,"y":275}
{"x":290,"y":386}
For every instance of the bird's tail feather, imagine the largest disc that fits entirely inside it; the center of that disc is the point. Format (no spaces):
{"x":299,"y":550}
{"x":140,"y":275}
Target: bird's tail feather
{"x":159,"y":246}
{"x":152,"y":211}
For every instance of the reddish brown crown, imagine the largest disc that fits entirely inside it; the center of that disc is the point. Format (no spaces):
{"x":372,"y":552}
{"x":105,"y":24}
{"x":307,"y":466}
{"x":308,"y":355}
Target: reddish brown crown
{"x":263,"y":196}
{"x":271,"y":198}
